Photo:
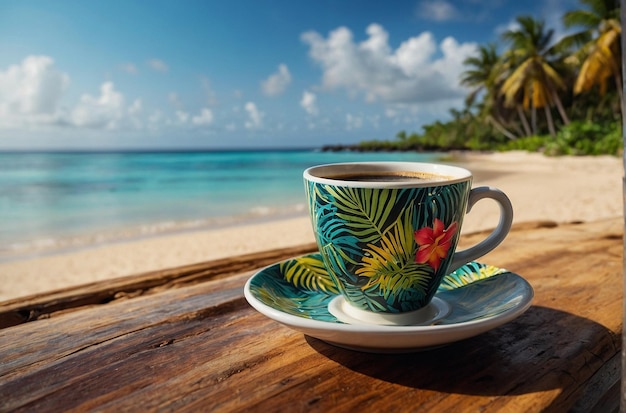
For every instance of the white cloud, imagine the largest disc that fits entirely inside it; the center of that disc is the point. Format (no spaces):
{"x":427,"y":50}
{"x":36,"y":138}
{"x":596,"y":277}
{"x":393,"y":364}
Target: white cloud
{"x":104,"y":111}
{"x":411,"y":74}
{"x":255,"y":116}
{"x":277,"y":82}
{"x":309,"y":103}
{"x":182,"y":116}
{"x":204,"y":118}
{"x":414,"y":54}
{"x":505,"y":27}
{"x":453,"y":56}
{"x":158,"y":65}
{"x":437,"y":10}
{"x":31,"y":92}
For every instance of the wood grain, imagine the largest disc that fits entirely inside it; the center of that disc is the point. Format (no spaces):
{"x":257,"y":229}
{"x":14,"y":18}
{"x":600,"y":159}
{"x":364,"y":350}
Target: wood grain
{"x":201,"y":347}
{"x":43,"y":305}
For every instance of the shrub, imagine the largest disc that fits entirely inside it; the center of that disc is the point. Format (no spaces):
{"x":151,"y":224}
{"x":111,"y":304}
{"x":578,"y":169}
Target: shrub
{"x":577,"y":138}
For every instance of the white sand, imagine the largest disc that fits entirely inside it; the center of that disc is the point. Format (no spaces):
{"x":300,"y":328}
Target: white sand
{"x":557,"y":189}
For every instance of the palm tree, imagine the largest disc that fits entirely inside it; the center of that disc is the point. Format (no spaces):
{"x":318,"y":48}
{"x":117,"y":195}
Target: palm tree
{"x":532,"y":81}
{"x":485,"y":75}
{"x":482,"y":74}
{"x":598,"y":44}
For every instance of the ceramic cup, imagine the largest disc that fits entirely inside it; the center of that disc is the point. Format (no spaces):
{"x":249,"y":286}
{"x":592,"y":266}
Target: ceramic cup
{"x":388,"y":231}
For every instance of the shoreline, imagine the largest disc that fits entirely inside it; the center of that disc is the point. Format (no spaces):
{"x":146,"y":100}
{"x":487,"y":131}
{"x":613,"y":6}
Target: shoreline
{"x":63,"y":244}
{"x":562,"y":190}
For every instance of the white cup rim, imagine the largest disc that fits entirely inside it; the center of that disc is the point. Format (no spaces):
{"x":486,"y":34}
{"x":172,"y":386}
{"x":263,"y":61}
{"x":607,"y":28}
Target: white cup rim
{"x":316,"y":174}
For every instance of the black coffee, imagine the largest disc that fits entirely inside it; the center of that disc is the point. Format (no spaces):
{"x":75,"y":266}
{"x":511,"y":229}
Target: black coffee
{"x":401,"y":176}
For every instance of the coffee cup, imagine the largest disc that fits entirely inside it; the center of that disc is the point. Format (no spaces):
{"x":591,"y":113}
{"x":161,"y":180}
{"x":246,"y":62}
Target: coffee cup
{"x":388,"y":232}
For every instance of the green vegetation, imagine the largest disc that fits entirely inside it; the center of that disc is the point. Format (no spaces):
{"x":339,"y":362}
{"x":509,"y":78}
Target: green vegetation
{"x":560,"y":97}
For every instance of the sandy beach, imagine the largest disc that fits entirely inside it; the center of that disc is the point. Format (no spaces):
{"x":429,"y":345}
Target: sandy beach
{"x":564,"y":189}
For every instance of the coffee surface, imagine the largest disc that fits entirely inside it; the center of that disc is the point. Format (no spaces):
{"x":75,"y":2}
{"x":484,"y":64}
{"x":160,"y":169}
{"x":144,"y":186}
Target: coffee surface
{"x":391,"y":176}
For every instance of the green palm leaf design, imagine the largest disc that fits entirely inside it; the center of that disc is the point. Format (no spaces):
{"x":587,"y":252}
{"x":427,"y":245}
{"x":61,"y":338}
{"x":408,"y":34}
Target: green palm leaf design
{"x":328,"y":227}
{"x":468,"y":274}
{"x":309,"y":189}
{"x":366,"y":301}
{"x":271,"y":288}
{"x":308,"y":273}
{"x":274,"y":298}
{"x":332,"y":231}
{"x":391,"y":267}
{"x":365,"y":211}
{"x":444,"y":202}
{"x":337,"y":264}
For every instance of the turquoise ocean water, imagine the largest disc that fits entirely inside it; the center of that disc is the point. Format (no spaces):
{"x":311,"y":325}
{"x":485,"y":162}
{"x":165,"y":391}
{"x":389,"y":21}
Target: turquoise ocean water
{"x":51,"y":202}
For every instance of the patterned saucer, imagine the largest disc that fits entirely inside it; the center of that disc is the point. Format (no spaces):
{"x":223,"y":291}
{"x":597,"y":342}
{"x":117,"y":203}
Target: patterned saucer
{"x":297,"y":292}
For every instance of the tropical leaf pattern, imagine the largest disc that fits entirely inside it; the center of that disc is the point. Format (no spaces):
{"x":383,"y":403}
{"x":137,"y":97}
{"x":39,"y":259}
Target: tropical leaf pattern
{"x":391,"y":268}
{"x":468,"y":274}
{"x":276,"y":289}
{"x":308,"y":273}
{"x":364,"y":211}
{"x":367,"y":239}
{"x":299,"y":286}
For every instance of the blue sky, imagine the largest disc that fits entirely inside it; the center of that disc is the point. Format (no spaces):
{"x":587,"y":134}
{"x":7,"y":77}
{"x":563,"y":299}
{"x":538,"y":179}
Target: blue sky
{"x":237,"y":73}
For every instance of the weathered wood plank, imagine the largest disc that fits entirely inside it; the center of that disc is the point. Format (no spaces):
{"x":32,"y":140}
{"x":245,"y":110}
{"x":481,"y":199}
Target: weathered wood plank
{"x":73,"y":332}
{"x":35,"y":307}
{"x":202,"y":348}
{"x":43,"y":305}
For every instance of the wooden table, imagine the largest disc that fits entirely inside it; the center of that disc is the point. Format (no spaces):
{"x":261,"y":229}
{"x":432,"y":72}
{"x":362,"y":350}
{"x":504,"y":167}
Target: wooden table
{"x":186,"y":339}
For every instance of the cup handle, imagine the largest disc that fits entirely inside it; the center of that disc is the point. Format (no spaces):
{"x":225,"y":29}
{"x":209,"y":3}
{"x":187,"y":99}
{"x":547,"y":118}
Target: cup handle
{"x":496,"y":237}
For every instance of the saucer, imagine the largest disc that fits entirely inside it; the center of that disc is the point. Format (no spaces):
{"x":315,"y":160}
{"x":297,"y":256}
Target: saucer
{"x":476,"y":297}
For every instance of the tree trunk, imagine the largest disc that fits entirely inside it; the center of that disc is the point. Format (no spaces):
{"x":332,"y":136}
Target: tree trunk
{"x":524,"y":121}
{"x":501,"y":128}
{"x":546,"y":108}
{"x":620,"y":91}
{"x":533,"y":117}
{"x":560,"y":108}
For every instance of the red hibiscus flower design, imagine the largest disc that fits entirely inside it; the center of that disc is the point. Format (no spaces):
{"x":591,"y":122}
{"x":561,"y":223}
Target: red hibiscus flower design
{"x":434,"y":243}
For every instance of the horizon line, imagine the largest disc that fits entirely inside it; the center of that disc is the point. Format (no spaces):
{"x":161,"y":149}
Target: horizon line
{"x":154,"y":150}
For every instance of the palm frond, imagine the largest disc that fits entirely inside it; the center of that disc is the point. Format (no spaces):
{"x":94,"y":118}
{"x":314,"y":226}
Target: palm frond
{"x":308,"y":273}
{"x":468,"y":274}
{"x":390,"y":267}
{"x":364,"y":212}
{"x":576,"y":40}
{"x":515,"y":83}
{"x":581,"y":18}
